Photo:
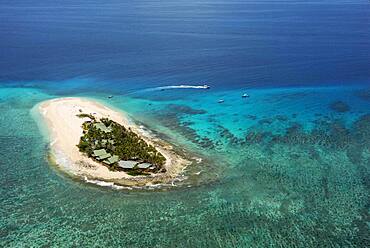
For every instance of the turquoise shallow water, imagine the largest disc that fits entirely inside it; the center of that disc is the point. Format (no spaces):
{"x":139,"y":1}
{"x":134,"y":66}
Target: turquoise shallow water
{"x":284,"y":167}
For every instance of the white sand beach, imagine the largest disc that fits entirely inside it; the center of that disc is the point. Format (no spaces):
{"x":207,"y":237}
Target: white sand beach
{"x":65,"y":130}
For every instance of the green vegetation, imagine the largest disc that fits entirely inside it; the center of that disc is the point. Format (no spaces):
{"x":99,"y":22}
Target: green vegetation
{"x":109,"y":142}
{"x":82,"y":115}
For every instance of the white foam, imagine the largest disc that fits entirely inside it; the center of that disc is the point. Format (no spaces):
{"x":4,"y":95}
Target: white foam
{"x":106,"y":184}
{"x":62,"y":160}
{"x":53,"y":142}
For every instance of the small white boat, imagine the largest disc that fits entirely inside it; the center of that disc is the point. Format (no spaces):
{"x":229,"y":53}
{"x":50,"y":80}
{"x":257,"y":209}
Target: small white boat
{"x":221,"y":101}
{"x":206,"y":86}
{"x":245,"y":95}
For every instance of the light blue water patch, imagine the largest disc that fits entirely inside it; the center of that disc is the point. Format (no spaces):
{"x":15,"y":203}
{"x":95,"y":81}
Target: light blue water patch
{"x":271,"y":110}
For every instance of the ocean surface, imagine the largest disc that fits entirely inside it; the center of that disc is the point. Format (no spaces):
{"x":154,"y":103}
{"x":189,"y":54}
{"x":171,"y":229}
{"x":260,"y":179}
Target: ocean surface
{"x":288,"y":166}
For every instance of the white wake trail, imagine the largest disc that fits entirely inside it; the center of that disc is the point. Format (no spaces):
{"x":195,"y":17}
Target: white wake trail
{"x":183,"y":86}
{"x":169,"y":87}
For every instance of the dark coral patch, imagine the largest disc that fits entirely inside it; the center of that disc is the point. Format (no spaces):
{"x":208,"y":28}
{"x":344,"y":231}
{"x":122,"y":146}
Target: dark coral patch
{"x":267,"y":121}
{"x":281,"y":117}
{"x":172,"y":120}
{"x":226,"y":134}
{"x":257,"y":137}
{"x":363,"y":94}
{"x":361,"y":130}
{"x":183,"y":109}
{"x":332,"y":134}
{"x":252,"y":117}
{"x":339,"y":107}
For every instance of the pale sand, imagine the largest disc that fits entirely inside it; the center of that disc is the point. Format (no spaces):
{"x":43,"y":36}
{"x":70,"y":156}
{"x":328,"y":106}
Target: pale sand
{"x":65,"y":130}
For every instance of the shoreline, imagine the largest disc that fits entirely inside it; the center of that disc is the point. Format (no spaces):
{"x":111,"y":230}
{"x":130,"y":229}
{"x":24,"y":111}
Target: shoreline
{"x":64,"y":130}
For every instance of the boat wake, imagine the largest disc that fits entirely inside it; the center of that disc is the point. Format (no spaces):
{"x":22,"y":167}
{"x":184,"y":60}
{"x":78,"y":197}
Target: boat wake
{"x":183,"y":86}
{"x":171,"y":87}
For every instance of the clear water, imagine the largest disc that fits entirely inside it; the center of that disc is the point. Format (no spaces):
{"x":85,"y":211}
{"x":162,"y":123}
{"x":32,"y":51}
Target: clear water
{"x":286,"y":167}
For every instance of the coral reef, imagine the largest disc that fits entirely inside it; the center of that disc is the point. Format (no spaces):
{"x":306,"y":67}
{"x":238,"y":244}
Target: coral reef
{"x":313,"y":183}
{"x":363,"y":94}
{"x":339,"y":107}
{"x":285,"y":183}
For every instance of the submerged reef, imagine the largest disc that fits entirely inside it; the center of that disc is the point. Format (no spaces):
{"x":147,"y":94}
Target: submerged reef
{"x":303,"y":186}
{"x":183,"y":109}
{"x":339,"y":106}
{"x":321,"y":175}
{"x":363,"y":94}
{"x":172,"y":118}
{"x":281,"y":117}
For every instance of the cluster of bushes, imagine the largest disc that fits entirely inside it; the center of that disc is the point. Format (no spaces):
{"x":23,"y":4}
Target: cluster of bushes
{"x":119,"y":141}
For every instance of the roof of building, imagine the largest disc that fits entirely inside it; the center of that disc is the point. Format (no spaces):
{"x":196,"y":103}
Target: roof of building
{"x":102,"y":127}
{"x":127,"y":164}
{"x":144,"y":165}
{"x":99,"y":152}
{"x":112,"y":160}
{"x":104,"y":156}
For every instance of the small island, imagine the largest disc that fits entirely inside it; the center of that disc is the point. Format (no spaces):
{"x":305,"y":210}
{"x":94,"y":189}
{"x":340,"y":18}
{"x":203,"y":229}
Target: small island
{"x":94,"y":142}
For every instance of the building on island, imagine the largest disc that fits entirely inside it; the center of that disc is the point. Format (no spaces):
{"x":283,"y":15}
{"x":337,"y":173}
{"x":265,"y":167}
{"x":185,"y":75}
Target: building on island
{"x":144,"y":166}
{"x":127,"y":164}
{"x":101,"y":154}
{"x":102,"y":127}
{"x":111,"y":160}
{"x":97,"y":153}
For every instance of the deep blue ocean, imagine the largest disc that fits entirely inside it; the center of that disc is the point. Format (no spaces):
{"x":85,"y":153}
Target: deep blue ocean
{"x":289,"y":166}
